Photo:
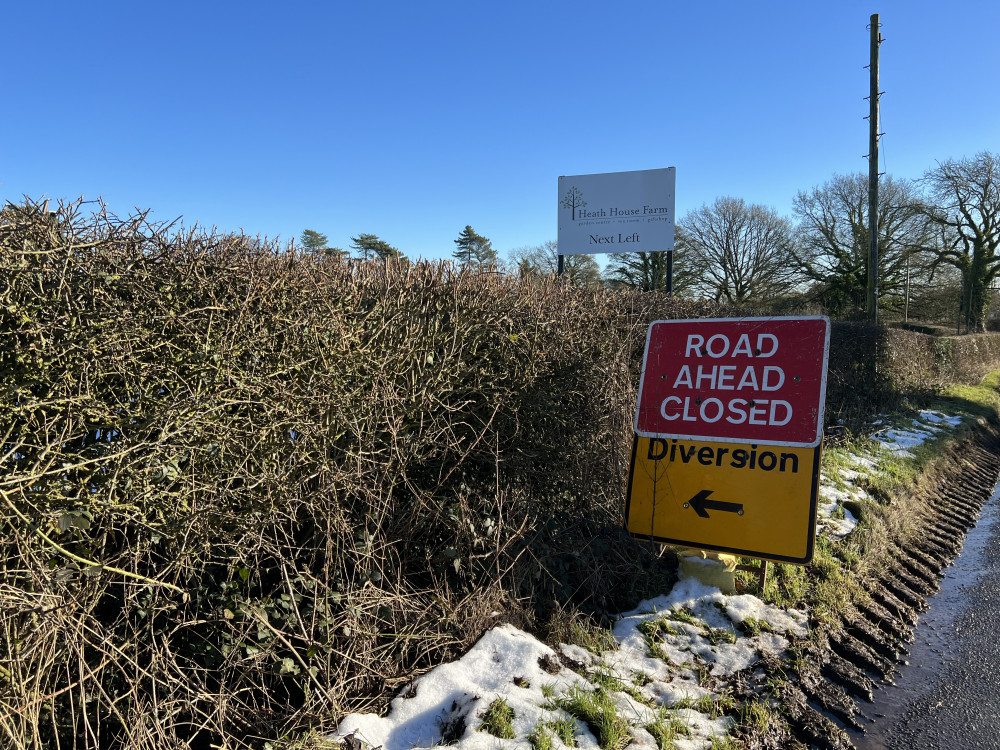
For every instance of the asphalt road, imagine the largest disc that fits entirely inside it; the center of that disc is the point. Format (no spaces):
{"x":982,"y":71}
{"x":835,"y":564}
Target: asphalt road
{"x":948,"y":696}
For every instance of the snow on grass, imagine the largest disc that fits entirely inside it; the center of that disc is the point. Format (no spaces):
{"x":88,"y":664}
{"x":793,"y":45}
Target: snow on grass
{"x":850,"y":475}
{"x":865,"y":462}
{"x":445,"y":705}
{"x":833,"y":519}
{"x":900,"y":440}
{"x":936,"y":417}
{"x":674,"y":652}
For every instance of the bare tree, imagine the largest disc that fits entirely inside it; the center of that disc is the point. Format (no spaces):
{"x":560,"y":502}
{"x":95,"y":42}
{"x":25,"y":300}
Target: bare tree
{"x":966,"y":210}
{"x":743,"y":251}
{"x":833,"y":240}
{"x":543,"y":260}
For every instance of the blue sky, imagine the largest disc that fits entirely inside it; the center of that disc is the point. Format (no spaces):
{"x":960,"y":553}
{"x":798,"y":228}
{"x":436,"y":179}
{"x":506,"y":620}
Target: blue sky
{"x":410,"y":120}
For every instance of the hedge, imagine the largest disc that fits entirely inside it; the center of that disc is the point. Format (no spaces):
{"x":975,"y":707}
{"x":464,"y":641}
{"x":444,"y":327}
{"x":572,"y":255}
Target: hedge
{"x":246,"y":490}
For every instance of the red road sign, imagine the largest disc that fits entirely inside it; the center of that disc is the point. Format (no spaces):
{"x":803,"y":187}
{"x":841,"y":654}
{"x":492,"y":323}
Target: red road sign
{"x":747,"y":380}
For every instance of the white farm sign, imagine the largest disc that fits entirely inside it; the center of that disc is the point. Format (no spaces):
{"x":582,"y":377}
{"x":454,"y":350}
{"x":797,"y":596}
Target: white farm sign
{"x":617,"y":212}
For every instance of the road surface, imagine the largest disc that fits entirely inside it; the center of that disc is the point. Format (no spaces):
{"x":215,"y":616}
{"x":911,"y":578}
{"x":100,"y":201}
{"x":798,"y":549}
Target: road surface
{"x":948,"y":695}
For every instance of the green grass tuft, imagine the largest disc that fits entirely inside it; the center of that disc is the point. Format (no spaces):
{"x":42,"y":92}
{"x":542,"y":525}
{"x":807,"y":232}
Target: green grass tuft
{"x":753,"y":626}
{"x":683,"y":614}
{"x":714,"y":706}
{"x":724,"y":742}
{"x":719,"y":635}
{"x":565,"y":730}
{"x":498,"y":720}
{"x":541,"y":738}
{"x":755,"y":716}
{"x":604,"y":678}
{"x":578,"y":629}
{"x":666,"y":728}
{"x":598,"y":711}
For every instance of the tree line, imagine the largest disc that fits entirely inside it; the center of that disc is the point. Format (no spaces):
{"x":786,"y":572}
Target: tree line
{"x":938,"y":236}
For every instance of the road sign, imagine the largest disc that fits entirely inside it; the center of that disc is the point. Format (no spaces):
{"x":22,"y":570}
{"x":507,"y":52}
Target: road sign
{"x":753,"y":380}
{"x":617,"y":212}
{"x":746,"y":499}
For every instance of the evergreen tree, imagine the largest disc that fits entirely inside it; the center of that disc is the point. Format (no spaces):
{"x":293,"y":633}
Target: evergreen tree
{"x":473,"y":249}
{"x":370,"y":246}
{"x":312,"y":241}
{"x":648,"y":271}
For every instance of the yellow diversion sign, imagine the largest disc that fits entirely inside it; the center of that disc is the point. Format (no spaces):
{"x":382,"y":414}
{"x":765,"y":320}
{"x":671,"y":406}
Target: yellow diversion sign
{"x":745,"y":499}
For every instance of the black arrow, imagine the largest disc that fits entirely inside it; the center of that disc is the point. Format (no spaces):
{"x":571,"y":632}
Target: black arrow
{"x":702,"y":505}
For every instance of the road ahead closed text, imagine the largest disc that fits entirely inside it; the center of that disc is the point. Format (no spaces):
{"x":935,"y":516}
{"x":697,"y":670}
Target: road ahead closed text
{"x":755,"y":380}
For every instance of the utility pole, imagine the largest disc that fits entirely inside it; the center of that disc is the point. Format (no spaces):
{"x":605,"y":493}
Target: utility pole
{"x":873,"y":136}
{"x":906,"y":292}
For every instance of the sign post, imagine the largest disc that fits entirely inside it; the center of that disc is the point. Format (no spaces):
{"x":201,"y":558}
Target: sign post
{"x":729,"y":428}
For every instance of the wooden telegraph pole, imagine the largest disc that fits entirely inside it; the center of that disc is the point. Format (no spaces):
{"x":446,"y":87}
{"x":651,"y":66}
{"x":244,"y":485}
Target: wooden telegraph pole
{"x":873,"y":136}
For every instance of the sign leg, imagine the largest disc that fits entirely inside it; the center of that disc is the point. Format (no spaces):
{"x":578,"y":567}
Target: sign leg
{"x":759,"y":570}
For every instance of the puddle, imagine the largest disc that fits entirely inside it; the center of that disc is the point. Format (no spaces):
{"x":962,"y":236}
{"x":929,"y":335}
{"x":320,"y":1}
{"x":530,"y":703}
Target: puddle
{"x":932,"y":651}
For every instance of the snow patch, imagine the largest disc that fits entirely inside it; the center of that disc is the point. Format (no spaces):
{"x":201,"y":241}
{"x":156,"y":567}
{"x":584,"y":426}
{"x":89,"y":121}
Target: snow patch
{"x":901,"y":440}
{"x":451,"y":697}
{"x":666,"y":648}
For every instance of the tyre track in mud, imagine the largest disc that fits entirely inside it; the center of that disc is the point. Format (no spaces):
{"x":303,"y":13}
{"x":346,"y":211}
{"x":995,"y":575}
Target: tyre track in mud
{"x":835,"y":679}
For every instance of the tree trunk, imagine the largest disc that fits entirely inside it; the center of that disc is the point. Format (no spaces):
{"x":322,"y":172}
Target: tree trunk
{"x":979,"y":307}
{"x":978,"y":297}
